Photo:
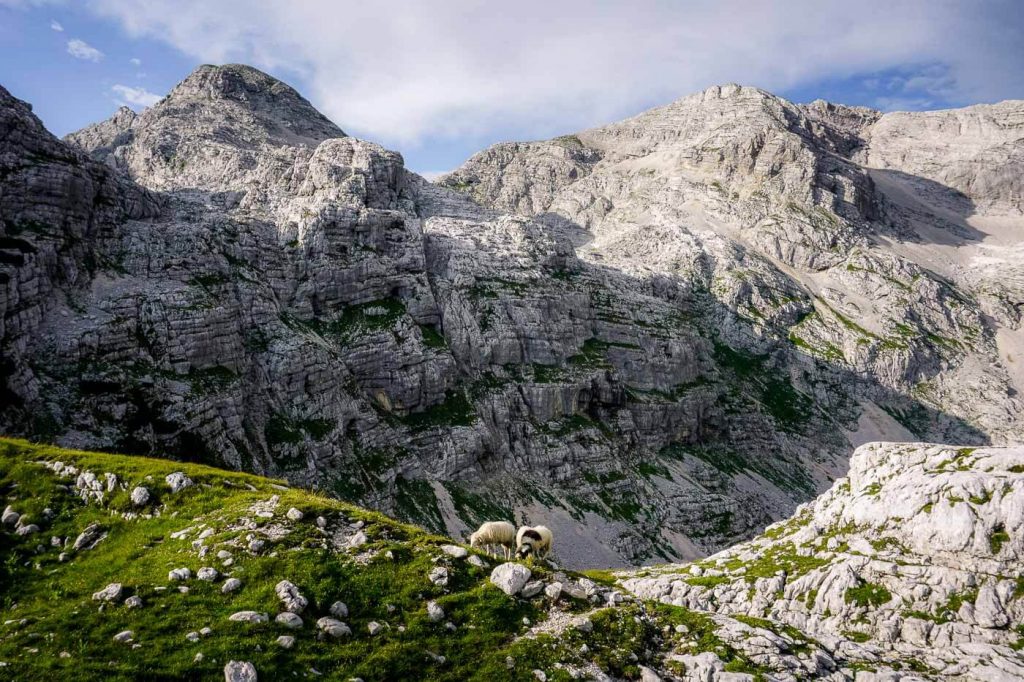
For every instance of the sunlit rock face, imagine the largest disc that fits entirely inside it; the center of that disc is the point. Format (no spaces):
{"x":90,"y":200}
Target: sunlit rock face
{"x":655,"y":337}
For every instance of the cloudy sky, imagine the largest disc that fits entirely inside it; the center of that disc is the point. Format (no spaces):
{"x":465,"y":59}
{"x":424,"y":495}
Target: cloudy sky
{"x":438,"y":80}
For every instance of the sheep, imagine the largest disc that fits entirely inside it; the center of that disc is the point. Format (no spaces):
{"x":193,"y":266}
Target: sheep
{"x":535,"y":541}
{"x":492,"y":533}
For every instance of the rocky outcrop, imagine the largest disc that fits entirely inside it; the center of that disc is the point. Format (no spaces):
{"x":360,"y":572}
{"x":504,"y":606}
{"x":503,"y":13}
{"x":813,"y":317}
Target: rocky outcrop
{"x":657,"y":336}
{"x":915,"y":555}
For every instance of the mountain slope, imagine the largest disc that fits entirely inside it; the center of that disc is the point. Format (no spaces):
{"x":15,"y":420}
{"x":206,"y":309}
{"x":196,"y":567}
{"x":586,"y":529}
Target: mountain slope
{"x":95,"y":587}
{"x":914,"y":557}
{"x":682,"y":342}
{"x":907,"y":570}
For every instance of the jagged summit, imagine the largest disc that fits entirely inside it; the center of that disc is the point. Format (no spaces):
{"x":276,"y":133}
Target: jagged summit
{"x":286,"y":114}
{"x":209,"y":130}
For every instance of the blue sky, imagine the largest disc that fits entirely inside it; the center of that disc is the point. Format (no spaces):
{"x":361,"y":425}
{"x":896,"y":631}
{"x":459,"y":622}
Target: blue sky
{"x":439,"y":81}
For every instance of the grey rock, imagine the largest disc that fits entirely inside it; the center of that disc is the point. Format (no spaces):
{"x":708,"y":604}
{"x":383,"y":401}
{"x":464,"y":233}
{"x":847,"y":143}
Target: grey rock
{"x":289,"y":620}
{"x":140,"y":496}
{"x":339,"y":609}
{"x":111,"y":592}
{"x":124,"y":636}
{"x":133,"y":602}
{"x":178,"y":481}
{"x":240,"y":671}
{"x":290,"y":597}
{"x":249,"y":617}
{"x":333,"y":628}
{"x":285,"y":641}
{"x":230,"y":585}
{"x":208,"y":574}
{"x":178,"y":574}
{"x":510,"y":577}
{"x":435,"y":614}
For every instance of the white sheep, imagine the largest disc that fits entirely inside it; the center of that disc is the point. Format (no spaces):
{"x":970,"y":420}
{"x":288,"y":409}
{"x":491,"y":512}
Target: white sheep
{"x":492,"y":533}
{"x":533,"y":541}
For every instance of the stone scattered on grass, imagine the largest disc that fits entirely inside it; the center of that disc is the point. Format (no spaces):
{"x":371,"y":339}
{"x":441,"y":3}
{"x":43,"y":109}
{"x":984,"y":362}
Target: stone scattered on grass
{"x":111,"y":592}
{"x":178,"y":481}
{"x":140,"y":496}
{"x":438,"y":575}
{"x":532,"y":588}
{"x":290,"y":596}
{"x":207,"y":573}
{"x":289,"y":620}
{"x":510,"y":577}
{"x":124,"y":636}
{"x":240,"y":671}
{"x":286,"y":641}
{"x":455,"y":551}
{"x":249,"y":617}
{"x":294,"y":514}
{"x":179,"y":574}
{"x":333,"y":628}
{"x":133,"y":602}
{"x":230,"y":585}
{"x":435,"y":614}
{"x":373,"y":627}
{"x":553,"y":591}
{"x":339,"y":609}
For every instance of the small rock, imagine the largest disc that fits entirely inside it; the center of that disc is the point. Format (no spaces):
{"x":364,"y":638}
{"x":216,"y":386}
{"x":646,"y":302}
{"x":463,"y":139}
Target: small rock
{"x":256,"y":546}
{"x":294,"y":514}
{"x":286,"y":641}
{"x":540,"y":675}
{"x":178,"y":481}
{"x":230,"y":585}
{"x":332,"y":627}
{"x":682,"y":629}
{"x":438,"y":575}
{"x":133,"y":602}
{"x":477,"y":561}
{"x":88,"y":537}
{"x":192,"y":636}
{"x":140,"y":496}
{"x":205,"y":632}
{"x":435,"y":614}
{"x":510,"y":577}
{"x":239,"y":671}
{"x":373,"y":627}
{"x":124,"y":636}
{"x":532,"y":589}
{"x":111,"y":592}
{"x":358,"y":540}
{"x":583,"y":624}
{"x":207,"y":573}
{"x":339,"y":609}
{"x":289,"y":595}
{"x":455,"y":551}
{"x":249,"y":617}
{"x":27,"y":530}
{"x":179,"y":574}
{"x":10,"y":517}
{"x":648,"y":675}
{"x":553,"y":591}
{"x":289,"y":620}
{"x":223,"y":554}
{"x":321,"y":522}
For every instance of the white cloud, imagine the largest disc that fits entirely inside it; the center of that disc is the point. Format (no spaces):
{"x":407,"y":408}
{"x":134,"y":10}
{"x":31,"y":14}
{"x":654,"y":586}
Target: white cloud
{"x":135,"y":61}
{"x":433,"y":175}
{"x":55,"y":25}
{"x":138,"y":96}
{"x":79,"y":49}
{"x":409,"y":70}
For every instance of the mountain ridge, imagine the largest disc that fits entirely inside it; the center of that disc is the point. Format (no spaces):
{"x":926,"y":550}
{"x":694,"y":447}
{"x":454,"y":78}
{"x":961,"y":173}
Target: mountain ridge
{"x":316,"y":311}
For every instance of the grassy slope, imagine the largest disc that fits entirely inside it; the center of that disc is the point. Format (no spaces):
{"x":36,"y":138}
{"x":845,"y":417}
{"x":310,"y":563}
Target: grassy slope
{"x":54,"y":629}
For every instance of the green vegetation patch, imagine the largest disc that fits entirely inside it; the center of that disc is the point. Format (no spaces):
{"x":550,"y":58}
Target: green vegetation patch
{"x":867,"y":595}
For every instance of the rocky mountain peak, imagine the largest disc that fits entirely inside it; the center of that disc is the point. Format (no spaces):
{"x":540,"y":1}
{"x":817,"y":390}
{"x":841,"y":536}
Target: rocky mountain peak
{"x":285,"y":113}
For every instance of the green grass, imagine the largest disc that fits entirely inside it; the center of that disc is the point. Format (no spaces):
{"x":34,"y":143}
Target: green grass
{"x":868,"y":595}
{"x":55,"y":630}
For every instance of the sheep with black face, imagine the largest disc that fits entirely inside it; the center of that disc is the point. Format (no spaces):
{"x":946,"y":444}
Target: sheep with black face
{"x":533,"y":541}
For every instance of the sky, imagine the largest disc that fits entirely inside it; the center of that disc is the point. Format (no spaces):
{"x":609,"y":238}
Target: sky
{"x":441,"y":80}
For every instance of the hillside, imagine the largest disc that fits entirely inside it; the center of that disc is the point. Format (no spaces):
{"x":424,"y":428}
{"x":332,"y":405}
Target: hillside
{"x":91,"y":586}
{"x":908,"y":570}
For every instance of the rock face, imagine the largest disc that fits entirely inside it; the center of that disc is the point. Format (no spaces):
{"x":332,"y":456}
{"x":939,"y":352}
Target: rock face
{"x":702,"y":308}
{"x":915,"y":555}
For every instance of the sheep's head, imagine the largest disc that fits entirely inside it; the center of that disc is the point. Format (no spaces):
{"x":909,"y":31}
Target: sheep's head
{"x":525,"y":550}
